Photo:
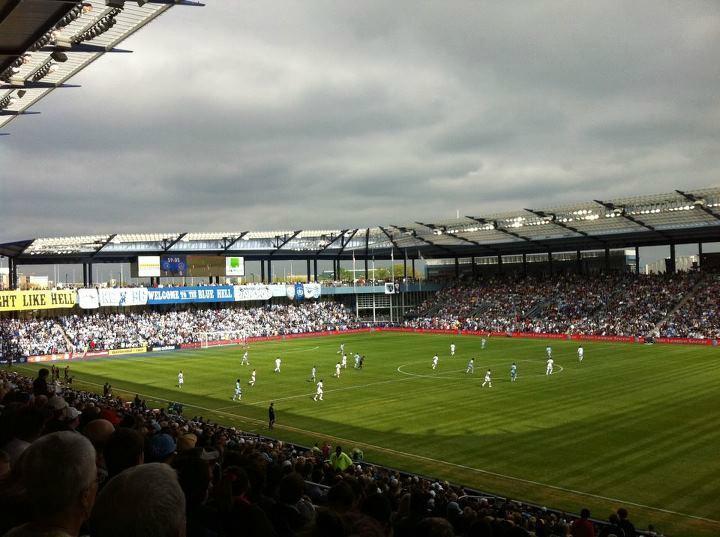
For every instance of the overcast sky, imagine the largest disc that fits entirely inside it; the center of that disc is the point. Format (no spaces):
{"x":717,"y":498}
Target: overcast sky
{"x":264,"y":115}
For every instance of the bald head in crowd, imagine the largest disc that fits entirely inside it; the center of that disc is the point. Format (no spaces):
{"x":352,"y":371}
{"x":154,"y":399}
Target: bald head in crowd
{"x":142,"y":501}
{"x":58,"y":476}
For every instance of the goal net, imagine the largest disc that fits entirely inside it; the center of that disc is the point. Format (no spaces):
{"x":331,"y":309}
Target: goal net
{"x":222,"y":337}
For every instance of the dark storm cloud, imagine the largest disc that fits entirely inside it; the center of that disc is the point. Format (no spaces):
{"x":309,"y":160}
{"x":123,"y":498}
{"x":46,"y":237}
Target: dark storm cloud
{"x":288,"y":115}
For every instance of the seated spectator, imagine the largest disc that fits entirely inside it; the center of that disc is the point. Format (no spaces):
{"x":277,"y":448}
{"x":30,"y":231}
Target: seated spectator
{"x":124,"y":449}
{"x":141,"y":501}
{"x":57,"y":475}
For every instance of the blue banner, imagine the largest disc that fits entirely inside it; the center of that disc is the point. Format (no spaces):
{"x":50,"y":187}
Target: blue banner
{"x":187,"y":295}
{"x":299,"y":292}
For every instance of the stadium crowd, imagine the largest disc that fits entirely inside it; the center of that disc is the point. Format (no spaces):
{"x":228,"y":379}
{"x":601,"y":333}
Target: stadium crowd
{"x":74,"y":463}
{"x":78,"y":333}
{"x":605,"y":305}
{"x":699,"y":317}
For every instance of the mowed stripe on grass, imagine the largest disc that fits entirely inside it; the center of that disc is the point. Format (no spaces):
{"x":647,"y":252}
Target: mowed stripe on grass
{"x":631,"y":422}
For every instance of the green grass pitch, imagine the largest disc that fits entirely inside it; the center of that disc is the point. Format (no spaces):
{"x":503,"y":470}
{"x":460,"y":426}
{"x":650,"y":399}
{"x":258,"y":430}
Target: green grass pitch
{"x":632,"y":425}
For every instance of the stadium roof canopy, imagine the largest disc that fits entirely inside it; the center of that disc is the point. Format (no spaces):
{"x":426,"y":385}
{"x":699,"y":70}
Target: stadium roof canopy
{"x":648,"y":220}
{"x":43,"y":43}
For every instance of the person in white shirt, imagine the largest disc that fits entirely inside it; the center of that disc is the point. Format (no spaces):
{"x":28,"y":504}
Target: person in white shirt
{"x":277,"y":364}
{"x":452,"y":349}
{"x":251,"y":382}
{"x":238,"y":391}
{"x":548,"y":351}
{"x":245,"y":360}
{"x":488,"y":380}
{"x":581,"y":353}
{"x":344,"y":361}
{"x":549,"y":368}
{"x":471,"y":366}
{"x":312,"y":374}
{"x":435,"y":361}
{"x":337,"y":370}
{"x":319,"y":391}
{"x":181,"y":379}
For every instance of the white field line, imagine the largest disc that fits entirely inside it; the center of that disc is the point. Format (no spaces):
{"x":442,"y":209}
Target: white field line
{"x":428,"y":459}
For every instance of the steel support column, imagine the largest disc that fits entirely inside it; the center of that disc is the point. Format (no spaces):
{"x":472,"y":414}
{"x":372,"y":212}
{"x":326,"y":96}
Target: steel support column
{"x":700,"y":254}
{"x":607,"y":259}
{"x":500,"y":264}
{"x":672,"y":259}
{"x":457,"y":268}
{"x":637,"y":260}
{"x":270,"y":274}
{"x":550,"y":263}
{"x":262,"y":271}
{"x":578,"y":260}
{"x":524,"y":264}
{"x":308,"y":271}
{"x":315,"y":275}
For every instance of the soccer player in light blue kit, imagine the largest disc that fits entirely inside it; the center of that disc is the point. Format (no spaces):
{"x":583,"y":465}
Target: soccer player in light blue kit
{"x":238,"y":391}
{"x":513,"y":372}
{"x":471,"y":366}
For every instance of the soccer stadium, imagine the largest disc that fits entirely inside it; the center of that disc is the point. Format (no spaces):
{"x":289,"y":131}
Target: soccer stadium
{"x":549,"y":370}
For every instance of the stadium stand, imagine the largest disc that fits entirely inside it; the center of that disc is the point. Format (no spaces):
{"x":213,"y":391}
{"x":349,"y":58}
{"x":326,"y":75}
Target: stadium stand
{"x":231,"y":482}
{"x":605,"y":305}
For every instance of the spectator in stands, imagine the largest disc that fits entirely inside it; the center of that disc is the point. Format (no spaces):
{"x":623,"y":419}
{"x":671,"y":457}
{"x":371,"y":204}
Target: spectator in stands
{"x":40,"y":385}
{"x":27,"y":425}
{"x":582,"y":527}
{"x":142,"y":500}
{"x":613,"y":528}
{"x":57,"y":475}
{"x":625,"y":523}
{"x":124,"y":449}
{"x":340,"y":460}
{"x":161,"y":448}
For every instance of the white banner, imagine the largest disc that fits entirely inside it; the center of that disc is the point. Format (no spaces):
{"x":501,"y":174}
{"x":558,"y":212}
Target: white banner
{"x":124,"y":296}
{"x":312,"y":290}
{"x":278,"y":290}
{"x":252,"y":292}
{"x":88,"y":299}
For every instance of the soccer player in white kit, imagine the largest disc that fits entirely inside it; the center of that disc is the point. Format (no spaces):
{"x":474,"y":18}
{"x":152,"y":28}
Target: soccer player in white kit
{"x":548,"y":351}
{"x":245,"y":360}
{"x":482,"y":343}
{"x":277,"y":364}
{"x":344,"y":361}
{"x":312,"y":373}
{"x":488,"y":380}
{"x":581,"y":353}
{"x":181,"y":379}
{"x":319,"y":392}
{"x":513,"y":372}
{"x":452,"y":349}
{"x":251,"y":382}
{"x":238,"y":391}
{"x":337,"y":370}
{"x":549,"y":369}
{"x":435,"y":361}
{"x":471,"y":366}
{"x":342,"y":349}
{"x":357,"y":361}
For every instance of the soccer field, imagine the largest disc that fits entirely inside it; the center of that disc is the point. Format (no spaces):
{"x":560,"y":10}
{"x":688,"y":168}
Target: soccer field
{"x":632,"y":425}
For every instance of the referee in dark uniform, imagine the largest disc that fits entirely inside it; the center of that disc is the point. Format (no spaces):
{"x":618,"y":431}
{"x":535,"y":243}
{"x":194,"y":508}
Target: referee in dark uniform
{"x":271,"y":416}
